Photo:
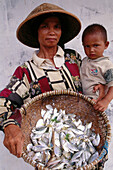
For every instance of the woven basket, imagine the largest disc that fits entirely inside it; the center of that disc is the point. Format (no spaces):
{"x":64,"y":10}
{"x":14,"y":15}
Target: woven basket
{"x":71,"y":102}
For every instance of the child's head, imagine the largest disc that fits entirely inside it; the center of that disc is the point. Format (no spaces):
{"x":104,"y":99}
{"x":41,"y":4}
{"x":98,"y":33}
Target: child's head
{"x":94,"y":39}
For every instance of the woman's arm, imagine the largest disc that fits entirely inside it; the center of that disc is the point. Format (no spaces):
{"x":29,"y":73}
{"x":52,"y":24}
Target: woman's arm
{"x":11,"y":98}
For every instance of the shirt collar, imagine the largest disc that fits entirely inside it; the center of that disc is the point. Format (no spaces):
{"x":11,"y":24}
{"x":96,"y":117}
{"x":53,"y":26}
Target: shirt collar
{"x":58,"y":58}
{"x":98,"y":59}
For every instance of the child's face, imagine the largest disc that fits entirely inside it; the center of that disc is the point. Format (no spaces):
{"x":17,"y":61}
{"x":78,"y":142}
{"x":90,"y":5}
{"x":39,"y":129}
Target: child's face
{"x":94,"y":45}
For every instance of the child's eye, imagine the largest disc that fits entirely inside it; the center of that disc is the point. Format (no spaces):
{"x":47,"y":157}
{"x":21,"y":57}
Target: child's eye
{"x":96,"y":45}
{"x":86,"y":46}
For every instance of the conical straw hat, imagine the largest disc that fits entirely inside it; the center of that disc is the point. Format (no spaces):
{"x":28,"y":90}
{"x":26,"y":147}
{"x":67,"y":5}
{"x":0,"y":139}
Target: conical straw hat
{"x":27,"y":30}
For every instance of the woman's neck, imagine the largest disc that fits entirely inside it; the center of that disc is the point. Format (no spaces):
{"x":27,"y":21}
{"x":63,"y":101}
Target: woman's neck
{"x":47,"y":53}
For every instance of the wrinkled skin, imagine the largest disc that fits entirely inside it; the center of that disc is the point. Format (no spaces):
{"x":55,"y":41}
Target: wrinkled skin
{"x":14,"y":140}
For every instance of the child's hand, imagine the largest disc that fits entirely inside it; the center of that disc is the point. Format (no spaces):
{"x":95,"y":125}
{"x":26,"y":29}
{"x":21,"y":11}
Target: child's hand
{"x":101,"y":89}
{"x":101,"y":105}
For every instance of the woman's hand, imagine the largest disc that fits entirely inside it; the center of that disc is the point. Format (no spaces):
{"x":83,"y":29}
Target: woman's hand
{"x":14,"y":140}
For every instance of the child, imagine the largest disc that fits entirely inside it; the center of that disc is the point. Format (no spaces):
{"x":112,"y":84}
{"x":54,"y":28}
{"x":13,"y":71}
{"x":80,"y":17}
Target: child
{"x":96,"y":68}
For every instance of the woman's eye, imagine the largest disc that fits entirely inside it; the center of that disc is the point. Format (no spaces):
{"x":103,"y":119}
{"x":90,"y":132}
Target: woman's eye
{"x":58,"y":26}
{"x":43,"y":26}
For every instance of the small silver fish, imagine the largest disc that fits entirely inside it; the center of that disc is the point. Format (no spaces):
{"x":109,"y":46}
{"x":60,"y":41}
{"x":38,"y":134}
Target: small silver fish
{"x":40,"y":123}
{"x":93,"y":157}
{"x":96,"y":140}
{"x":39,"y":148}
{"x":49,"y":107}
{"x":76,"y":156}
{"x":29,"y":147}
{"x":59,"y":134}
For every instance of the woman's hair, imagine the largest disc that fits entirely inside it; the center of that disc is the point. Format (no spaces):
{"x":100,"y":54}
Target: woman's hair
{"x":45,"y":16}
{"x":94,"y":28}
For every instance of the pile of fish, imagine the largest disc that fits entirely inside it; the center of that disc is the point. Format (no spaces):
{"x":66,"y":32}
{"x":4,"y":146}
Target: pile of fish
{"x":60,"y":141}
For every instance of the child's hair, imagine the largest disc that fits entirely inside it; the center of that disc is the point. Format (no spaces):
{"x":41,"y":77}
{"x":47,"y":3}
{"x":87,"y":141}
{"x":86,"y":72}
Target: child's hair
{"x":91,"y":29}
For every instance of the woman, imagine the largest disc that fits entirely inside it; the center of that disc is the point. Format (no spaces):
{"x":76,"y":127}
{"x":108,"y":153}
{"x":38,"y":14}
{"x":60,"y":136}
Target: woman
{"x":47,"y":27}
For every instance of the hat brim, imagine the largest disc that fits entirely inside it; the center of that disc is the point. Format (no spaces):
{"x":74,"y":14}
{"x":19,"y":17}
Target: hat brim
{"x":70,"y":25}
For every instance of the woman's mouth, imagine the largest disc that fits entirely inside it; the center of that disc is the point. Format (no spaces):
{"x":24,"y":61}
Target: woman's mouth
{"x":51,"y":39}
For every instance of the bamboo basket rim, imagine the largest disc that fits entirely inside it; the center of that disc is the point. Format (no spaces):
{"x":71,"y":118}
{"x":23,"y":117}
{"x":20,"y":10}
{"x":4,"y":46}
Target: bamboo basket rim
{"x":67,"y":92}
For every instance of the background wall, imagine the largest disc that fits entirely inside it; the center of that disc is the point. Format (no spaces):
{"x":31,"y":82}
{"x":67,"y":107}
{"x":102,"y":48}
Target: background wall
{"x":13,"y":53}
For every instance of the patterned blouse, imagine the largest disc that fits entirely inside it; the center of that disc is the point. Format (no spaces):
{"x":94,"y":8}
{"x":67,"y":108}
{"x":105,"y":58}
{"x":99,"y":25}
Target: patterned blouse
{"x":29,"y":80}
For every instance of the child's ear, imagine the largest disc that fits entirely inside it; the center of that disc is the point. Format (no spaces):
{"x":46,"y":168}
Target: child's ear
{"x":106,"y":44}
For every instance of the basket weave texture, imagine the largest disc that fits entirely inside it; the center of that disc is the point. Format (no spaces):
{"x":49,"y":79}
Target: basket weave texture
{"x":71,"y":102}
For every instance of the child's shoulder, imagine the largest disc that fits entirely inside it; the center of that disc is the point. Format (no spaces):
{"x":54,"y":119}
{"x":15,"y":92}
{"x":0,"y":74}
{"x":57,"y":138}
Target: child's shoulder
{"x":84,"y":60}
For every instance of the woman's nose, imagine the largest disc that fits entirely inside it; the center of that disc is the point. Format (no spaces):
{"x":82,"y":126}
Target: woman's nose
{"x":51,"y":30}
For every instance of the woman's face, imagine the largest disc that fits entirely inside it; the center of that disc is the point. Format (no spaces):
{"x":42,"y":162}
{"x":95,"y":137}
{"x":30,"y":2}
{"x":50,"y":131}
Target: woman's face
{"x":49,"y":32}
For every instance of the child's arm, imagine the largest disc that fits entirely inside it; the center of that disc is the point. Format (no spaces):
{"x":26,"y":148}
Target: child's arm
{"x":102,"y":104}
{"x":101,"y":88}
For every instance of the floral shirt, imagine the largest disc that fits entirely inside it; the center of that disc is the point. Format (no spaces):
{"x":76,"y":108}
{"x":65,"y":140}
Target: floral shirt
{"x":35,"y":77}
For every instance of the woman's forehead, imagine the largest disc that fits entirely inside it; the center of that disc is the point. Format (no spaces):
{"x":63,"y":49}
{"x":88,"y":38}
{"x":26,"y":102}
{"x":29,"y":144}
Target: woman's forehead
{"x":53,"y":19}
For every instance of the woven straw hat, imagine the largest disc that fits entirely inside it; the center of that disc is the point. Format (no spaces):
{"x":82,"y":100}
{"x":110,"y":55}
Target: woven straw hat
{"x":27,"y":30}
